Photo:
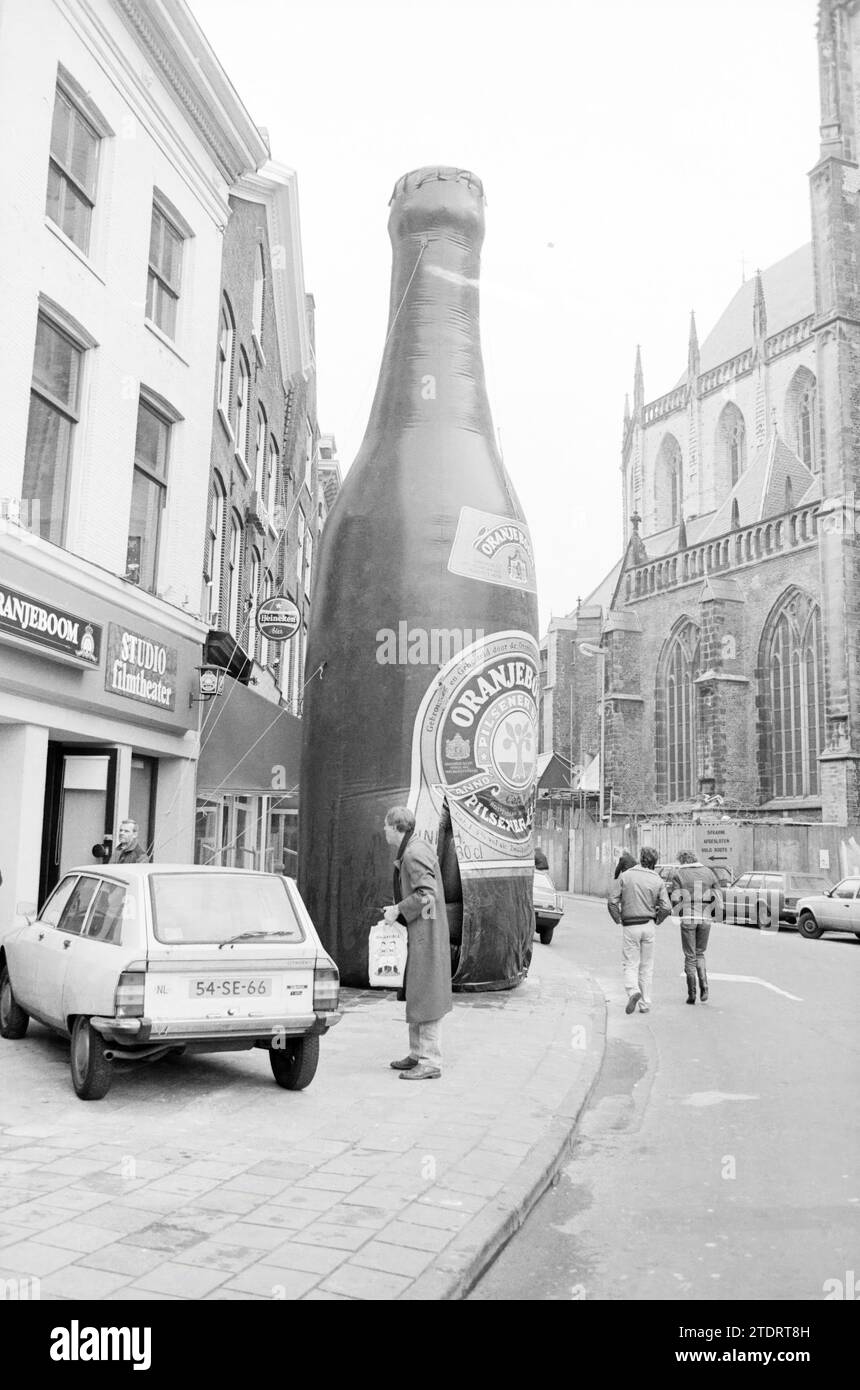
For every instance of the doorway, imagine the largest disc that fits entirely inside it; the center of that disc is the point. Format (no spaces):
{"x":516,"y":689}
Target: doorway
{"x":80,"y":789}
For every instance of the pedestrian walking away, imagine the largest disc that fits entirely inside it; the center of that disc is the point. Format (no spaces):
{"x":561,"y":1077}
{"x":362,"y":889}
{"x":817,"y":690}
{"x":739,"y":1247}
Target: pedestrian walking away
{"x":625,"y":861}
{"x":696,"y":899}
{"x":637,"y":901}
{"x":419,"y":903}
{"x":541,"y":861}
{"x":130,"y":850}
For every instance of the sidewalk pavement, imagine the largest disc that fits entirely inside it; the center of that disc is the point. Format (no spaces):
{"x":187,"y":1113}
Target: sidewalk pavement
{"x":203,"y":1180}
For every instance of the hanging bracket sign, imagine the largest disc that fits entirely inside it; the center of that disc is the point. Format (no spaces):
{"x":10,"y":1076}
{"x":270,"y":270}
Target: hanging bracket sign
{"x":278,"y":619}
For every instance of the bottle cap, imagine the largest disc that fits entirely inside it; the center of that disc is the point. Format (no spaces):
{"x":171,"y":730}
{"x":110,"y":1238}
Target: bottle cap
{"x":435,"y":173}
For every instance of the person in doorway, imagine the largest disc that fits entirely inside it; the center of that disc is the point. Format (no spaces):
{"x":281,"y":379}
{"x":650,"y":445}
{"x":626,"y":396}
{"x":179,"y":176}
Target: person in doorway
{"x":638,"y":900}
{"x":696,"y":896}
{"x":130,"y":850}
{"x":419,"y":903}
{"x":541,"y":861}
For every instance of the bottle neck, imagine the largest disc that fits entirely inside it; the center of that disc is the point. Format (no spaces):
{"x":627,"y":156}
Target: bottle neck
{"x":432,"y":369}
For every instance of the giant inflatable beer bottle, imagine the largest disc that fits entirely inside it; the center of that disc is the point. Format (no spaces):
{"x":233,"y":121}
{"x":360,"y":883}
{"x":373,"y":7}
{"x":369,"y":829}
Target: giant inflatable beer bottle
{"x":424,"y":611}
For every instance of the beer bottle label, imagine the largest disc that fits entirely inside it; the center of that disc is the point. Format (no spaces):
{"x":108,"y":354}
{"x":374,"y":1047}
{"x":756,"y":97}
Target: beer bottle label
{"x":496,"y":549}
{"x":475,"y":745}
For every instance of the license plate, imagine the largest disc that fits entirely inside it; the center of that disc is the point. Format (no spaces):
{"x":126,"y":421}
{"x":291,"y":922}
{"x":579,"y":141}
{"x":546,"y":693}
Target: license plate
{"x":228,"y":989}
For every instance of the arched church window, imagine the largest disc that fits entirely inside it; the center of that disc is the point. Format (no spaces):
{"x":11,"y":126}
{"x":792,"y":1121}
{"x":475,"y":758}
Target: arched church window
{"x":667,"y":484}
{"x":792,"y":671}
{"x":731,"y":448}
{"x":801,"y":416}
{"x":677,"y":778}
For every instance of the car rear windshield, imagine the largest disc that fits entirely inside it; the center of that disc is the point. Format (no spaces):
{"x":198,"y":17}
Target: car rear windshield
{"x":809,"y":883}
{"x":189,"y":908}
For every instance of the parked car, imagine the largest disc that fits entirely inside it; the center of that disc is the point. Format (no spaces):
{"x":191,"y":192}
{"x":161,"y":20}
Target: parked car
{"x":756,"y":895}
{"x":135,"y":961}
{"x":547,"y":905}
{"x":836,"y":910}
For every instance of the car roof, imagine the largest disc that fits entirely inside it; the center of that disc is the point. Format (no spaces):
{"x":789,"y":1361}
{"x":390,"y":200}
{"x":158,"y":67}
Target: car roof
{"x":134,"y":871}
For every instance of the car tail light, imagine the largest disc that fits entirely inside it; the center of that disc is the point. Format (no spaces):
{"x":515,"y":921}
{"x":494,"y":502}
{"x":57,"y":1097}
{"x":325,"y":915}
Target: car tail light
{"x":326,"y":985}
{"x":129,"y":994}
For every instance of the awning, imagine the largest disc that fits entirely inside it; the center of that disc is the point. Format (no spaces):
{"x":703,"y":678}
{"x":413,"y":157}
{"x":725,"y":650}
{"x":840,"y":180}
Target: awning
{"x":254,"y":747}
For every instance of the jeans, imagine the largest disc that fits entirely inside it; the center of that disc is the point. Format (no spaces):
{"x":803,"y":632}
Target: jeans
{"x":694,"y":939}
{"x":637,"y":953}
{"x":425,"y":1043}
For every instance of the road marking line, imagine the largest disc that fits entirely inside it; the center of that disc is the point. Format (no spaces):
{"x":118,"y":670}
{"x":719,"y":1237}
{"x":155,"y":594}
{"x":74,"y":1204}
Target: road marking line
{"x":754,"y":980}
{"x":700,"y":1098}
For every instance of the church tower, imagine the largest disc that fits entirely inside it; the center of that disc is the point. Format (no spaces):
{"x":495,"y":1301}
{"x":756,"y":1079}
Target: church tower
{"x":835,"y":198}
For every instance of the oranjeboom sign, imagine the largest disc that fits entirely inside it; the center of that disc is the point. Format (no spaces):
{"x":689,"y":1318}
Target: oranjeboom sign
{"x":475,"y":743}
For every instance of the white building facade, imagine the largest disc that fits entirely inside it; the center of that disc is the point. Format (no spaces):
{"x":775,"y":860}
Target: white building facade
{"x":123,"y":140}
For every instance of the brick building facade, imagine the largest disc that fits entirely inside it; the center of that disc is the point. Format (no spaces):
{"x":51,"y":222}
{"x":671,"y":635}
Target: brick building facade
{"x":730,"y":628}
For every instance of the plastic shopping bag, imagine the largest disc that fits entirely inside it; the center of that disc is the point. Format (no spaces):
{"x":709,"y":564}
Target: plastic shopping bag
{"x":386,"y":955}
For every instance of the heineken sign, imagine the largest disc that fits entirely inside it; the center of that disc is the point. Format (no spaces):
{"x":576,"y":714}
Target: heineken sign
{"x":278,"y":619}
{"x":54,"y":629}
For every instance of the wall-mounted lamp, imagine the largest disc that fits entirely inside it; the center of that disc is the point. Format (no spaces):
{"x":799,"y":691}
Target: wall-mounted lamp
{"x":210,"y":682}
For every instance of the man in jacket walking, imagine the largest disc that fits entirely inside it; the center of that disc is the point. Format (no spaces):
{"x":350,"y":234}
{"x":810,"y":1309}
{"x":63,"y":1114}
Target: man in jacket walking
{"x":696,"y":898}
{"x":637,"y":900}
{"x":419,"y":903}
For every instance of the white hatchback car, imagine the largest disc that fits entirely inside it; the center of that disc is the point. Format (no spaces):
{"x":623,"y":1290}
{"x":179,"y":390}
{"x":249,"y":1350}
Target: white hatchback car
{"x":134,"y":961}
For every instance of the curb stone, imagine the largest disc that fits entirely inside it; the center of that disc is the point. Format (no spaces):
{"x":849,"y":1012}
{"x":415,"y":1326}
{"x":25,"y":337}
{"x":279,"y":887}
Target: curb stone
{"x":471,"y":1253}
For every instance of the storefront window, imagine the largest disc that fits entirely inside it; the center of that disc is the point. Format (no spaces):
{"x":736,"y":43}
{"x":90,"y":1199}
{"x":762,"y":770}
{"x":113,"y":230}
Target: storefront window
{"x":282,"y":848}
{"x":206,"y":832}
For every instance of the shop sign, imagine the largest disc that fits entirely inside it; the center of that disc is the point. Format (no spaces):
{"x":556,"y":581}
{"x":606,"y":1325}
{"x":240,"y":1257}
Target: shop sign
{"x":140,"y":669}
{"x":278,"y":619}
{"x":49,"y":627}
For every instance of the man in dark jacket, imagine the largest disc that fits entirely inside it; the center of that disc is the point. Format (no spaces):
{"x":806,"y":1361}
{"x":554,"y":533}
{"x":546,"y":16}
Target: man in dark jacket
{"x":130,"y":850}
{"x":638,"y":899}
{"x":696,"y":898}
{"x":419,"y":903}
{"x":541,"y":861}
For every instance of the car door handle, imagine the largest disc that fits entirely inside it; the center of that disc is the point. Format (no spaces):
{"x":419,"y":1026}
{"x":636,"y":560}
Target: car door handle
{"x":66,"y":945}
{"x":41,"y":936}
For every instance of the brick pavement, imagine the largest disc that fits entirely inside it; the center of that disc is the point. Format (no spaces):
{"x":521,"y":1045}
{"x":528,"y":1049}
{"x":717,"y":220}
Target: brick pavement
{"x":201,"y":1179}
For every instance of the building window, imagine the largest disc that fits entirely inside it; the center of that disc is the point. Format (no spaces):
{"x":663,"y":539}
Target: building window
{"x":259,"y":287}
{"x":148,"y":495}
{"x":268,"y":592}
{"x":274,"y":473}
{"x":72,"y":170}
{"x":54,"y":412}
{"x":234,"y":576}
{"x":309,"y":551}
{"x":731,"y":450}
{"x":677,"y":722}
{"x":226,"y":335}
{"x":214,"y":551}
{"x":801,"y":416}
{"x":792,"y":671}
{"x":243,"y":392}
{"x":165,"y":266}
{"x":253,"y":604}
{"x":260,"y":454}
{"x":667,"y":484}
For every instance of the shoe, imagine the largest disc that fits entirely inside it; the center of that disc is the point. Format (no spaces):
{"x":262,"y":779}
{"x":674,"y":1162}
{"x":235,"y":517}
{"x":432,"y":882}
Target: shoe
{"x":691,"y":990}
{"x":633,"y":1001}
{"x":405,"y":1064}
{"x":703,"y":983}
{"x":643,"y":1007}
{"x":400,"y":996}
{"x":420,"y":1073}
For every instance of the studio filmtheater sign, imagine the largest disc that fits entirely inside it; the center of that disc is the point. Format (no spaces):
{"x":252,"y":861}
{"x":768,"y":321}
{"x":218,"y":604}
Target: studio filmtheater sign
{"x":140,"y":669}
{"x":65,"y":634}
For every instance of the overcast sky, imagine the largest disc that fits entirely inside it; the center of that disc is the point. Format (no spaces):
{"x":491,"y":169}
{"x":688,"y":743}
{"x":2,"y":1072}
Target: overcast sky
{"x":638,"y":158}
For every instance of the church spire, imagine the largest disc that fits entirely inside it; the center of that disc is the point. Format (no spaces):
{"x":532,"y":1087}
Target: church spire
{"x":638,"y":382}
{"x":626,"y":408}
{"x":759,"y":312}
{"x":693,"y":356}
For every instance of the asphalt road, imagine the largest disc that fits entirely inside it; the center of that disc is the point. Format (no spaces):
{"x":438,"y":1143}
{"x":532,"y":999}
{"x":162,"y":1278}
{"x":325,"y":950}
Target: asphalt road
{"x":718,"y":1155}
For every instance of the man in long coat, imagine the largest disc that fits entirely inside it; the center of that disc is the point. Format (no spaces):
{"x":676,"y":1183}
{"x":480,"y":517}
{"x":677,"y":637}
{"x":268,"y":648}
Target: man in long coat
{"x":419,"y":903}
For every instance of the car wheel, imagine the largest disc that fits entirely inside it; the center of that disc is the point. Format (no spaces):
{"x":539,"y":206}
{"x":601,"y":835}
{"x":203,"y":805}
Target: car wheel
{"x":808,"y":927}
{"x":545,"y":934}
{"x":13,"y":1019}
{"x":294,"y":1065}
{"x":91,"y":1071}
